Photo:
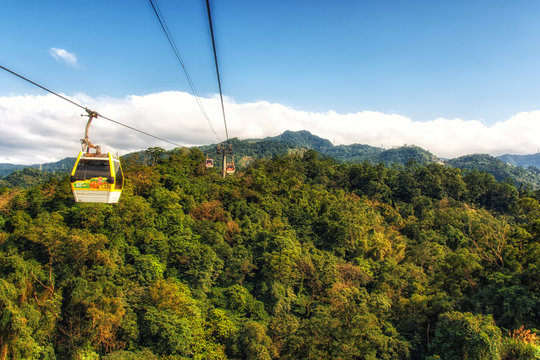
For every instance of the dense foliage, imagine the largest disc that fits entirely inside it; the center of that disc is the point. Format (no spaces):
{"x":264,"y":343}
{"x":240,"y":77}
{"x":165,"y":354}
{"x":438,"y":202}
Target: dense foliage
{"x":297,"y":257}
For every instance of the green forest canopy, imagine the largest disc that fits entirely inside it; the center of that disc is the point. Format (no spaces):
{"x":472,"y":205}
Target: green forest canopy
{"x":294,"y":257}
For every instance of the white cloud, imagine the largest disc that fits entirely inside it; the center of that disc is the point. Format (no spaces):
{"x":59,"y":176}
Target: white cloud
{"x":44,"y":128}
{"x":62,"y":54}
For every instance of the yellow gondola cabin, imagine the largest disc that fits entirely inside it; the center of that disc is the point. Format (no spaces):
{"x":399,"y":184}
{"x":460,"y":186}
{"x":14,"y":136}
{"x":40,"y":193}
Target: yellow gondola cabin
{"x":97,"y":178}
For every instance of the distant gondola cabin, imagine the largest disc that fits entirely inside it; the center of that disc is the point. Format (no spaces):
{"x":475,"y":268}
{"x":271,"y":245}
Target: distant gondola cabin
{"x":230,"y":169}
{"x":97,"y":178}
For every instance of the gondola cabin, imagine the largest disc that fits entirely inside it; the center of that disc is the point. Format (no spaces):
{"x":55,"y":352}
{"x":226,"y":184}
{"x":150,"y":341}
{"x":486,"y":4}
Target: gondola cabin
{"x":229,"y":169}
{"x":209,"y":163}
{"x":97,"y":178}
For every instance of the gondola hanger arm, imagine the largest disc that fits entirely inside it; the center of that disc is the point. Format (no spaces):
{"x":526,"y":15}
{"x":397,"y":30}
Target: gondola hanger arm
{"x":86,"y":144}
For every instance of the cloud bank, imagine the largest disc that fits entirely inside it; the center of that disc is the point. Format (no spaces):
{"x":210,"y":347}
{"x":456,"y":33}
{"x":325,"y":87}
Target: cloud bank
{"x":64,"y":55}
{"x":44,"y":128}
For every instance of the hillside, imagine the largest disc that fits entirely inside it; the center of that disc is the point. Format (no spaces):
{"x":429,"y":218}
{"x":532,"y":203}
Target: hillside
{"x":356,"y":152}
{"x":303,"y":139}
{"x":521,"y":160}
{"x":501,"y":170}
{"x":28,"y":176}
{"x":294,"y":257}
{"x":6,"y":169}
{"x":289,"y":142}
{"x":246,"y":151}
{"x":58,"y":166}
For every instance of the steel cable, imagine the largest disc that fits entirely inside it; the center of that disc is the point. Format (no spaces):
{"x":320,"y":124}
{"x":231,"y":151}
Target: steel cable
{"x":165,"y":28}
{"x":217,"y":67}
{"x":86,"y":109}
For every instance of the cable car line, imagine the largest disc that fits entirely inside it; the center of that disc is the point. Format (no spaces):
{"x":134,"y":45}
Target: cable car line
{"x":165,"y":29}
{"x":44,"y":88}
{"x":223,"y":149}
{"x":216,"y":63}
{"x":142,"y":132}
{"x":88,"y":110}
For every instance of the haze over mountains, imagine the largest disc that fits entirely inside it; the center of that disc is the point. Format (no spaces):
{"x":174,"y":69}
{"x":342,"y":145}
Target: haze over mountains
{"x":518,"y":168}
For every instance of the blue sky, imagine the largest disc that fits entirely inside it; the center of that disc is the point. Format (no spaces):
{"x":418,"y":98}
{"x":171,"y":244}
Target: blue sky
{"x":473,"y":61}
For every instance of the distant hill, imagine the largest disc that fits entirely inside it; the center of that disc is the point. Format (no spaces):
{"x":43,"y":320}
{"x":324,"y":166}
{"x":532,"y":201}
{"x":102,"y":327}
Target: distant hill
{"x":29,"y":175}
{"x":299,"y":141}
{"x":6,"y":169}
{"x":501,"y":170}
{"x":63,"y":165}
{"x":521,"y":160}
{"x":356,"y":152}
{"x":404,"y":154}
{"x":302,"y":138}
{"x":246,"y":151}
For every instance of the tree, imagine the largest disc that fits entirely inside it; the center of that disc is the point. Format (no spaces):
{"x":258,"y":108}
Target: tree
{"x":154,"y":155}
{"x":462,"y":336}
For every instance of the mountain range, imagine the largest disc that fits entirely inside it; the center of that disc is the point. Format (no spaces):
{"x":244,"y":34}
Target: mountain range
{"x":297,"y":141}
{"x":520,"y":169}
{"x":58,"y":166}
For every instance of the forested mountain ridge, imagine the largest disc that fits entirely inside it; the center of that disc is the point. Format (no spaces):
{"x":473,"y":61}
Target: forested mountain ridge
{"x":58,"y":166}
{"x":295,"y":257}
{"x":302,"y":138}
{"x":356,"y":152}
{"x":298,"y":141}
{"x":501,"y":170}
{"x":6,"y":169}
{"x":521,"y":160}
{"x":27,"y":176}
{"x":247,"y":151}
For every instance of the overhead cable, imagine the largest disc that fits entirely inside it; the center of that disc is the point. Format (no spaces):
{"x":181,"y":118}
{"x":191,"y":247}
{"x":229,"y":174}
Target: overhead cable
{"x":88,"y":110}
{"x":44,"y":88}
{"x":217,"y":67}
{"x":165,"y":28}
